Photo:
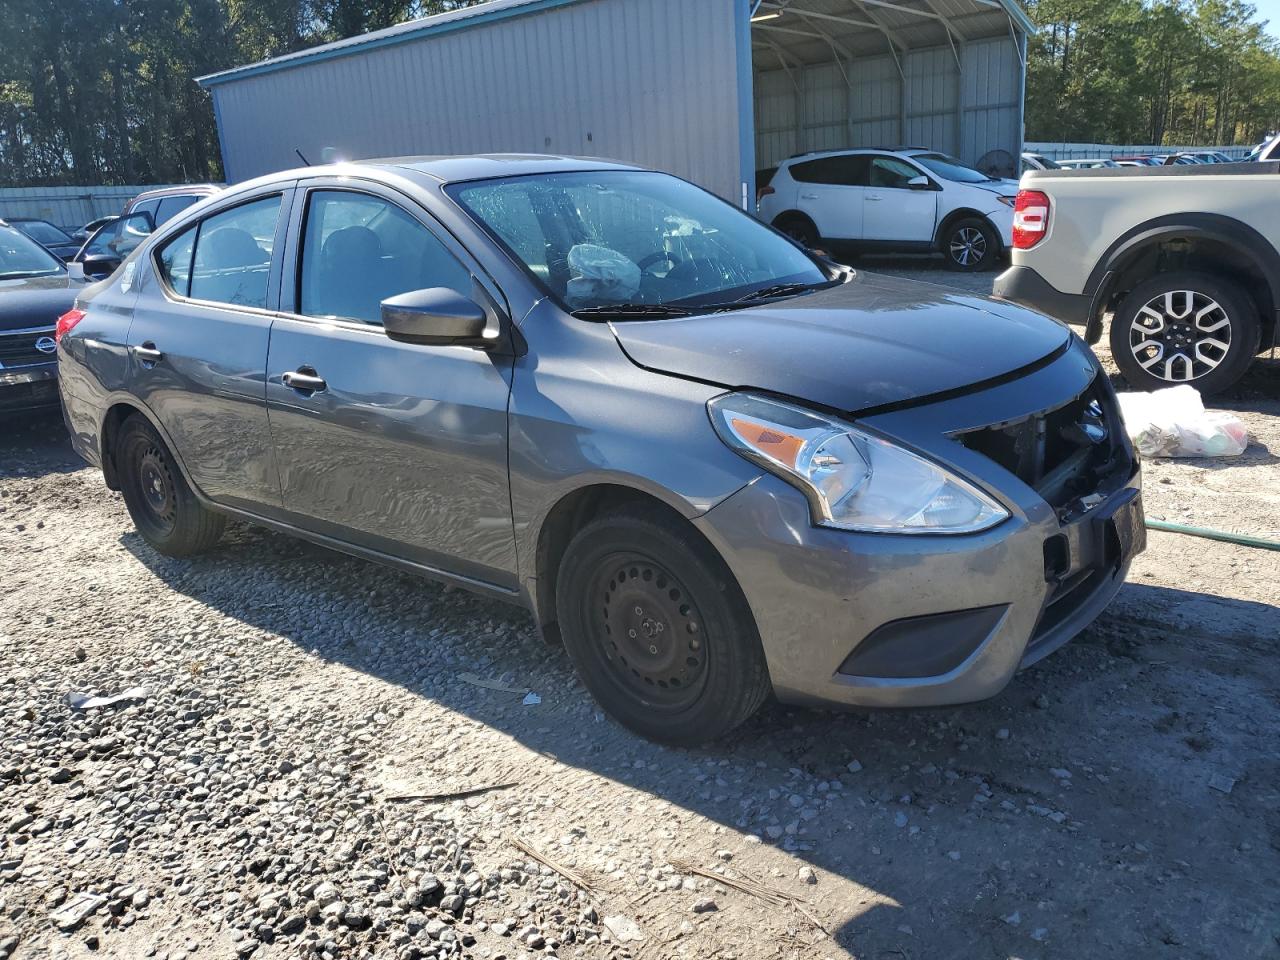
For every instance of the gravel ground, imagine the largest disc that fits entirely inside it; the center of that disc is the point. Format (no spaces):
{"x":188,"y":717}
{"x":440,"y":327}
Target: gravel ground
{"x":1121,"y":799}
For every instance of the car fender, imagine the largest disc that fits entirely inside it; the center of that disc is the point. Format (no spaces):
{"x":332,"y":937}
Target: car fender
{"x":1234,"y":234}
{"x":120,"y":398}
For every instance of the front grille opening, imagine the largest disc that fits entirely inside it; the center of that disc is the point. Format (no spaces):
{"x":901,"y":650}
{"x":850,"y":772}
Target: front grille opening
{"x":1065,"y":453}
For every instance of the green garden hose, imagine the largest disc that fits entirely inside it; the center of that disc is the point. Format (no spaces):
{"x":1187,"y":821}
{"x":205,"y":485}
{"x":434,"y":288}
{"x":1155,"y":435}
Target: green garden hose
{"x":1237,"y":538}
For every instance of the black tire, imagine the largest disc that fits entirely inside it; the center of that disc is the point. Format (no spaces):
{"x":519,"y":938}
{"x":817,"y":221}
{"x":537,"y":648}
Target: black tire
{"x":970,"y":245}
{"x":1156,"y":348}
{"x":798,"y":228}
{"x":162,"y":506}
{"x":658,"y":628}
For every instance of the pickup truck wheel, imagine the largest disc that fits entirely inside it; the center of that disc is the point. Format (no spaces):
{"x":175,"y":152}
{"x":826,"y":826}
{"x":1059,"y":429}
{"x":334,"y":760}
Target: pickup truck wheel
{"x":970,"y":245}
{"x":162,"y":506}
{"x":658,"y":628}
{"x":1184,"y":328}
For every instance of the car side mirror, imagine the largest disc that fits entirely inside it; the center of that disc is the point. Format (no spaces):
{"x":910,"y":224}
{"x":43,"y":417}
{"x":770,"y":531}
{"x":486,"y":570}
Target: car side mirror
{"x":99,"y":265}
{"x":437,"y":316}
{"x":919,"y":183}
{"x":75,"y":270}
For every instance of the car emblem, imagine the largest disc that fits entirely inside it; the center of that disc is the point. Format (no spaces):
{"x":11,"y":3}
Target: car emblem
{"x":47,"y":345}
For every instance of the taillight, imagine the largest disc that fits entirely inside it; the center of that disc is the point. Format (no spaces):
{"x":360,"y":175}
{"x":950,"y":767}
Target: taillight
{"x":1030,"y":218}
{"x":764,"y":192}
{"x":66,"y":323}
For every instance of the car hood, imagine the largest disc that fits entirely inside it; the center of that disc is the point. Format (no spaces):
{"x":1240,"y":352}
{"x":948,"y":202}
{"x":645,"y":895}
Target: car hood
{"x":1002,"y":188}
{"x":36,"y":301}
{"x":870,"y":342}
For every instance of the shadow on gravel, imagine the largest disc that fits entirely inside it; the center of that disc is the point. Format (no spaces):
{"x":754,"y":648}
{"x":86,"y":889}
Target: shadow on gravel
{"x":34,"y":445}
{"x":943,"y":817}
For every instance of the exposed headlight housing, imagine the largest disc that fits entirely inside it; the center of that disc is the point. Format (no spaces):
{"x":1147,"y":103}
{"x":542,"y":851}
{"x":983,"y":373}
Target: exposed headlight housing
{"x":1008,"y":201}
{"x":853,"y":480}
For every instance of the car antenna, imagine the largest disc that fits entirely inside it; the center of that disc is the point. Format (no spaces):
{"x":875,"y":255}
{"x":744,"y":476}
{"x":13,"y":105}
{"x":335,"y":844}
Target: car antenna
{"x":304,"y":160}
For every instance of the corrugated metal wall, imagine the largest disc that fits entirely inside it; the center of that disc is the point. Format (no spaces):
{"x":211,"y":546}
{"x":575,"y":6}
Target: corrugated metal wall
{"x":653,"y":83}
{"x":967,"y":116}
{"x":67,"y":206}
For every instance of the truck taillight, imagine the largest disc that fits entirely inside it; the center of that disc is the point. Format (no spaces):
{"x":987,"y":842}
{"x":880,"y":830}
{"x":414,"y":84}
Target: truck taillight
{"x":1030,"y":218}
{"x":66,"y":322}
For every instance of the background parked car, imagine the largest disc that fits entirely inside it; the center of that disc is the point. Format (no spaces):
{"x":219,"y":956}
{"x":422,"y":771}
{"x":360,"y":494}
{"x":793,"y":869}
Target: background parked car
{"x":1086,"y":164}
{"x":104,"y":251}
{"x":886,"y":199}
{"x":92,"y":227}
{"x":1037,"y":161}
{"x":34,"y":291}
{"x":54,"y":239}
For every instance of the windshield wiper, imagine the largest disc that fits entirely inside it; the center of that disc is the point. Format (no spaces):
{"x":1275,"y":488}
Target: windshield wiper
{"x":775,"y":290}
{"x":632,"y":311}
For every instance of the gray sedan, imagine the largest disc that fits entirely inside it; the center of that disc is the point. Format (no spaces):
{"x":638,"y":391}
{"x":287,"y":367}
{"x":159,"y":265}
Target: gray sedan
{"x":711,"y":463}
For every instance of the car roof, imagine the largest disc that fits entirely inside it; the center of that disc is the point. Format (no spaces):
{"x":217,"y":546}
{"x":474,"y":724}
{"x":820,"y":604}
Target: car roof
{"x":194,"y":189}
{"x":451,"y":169}
{"x":854,"y":151}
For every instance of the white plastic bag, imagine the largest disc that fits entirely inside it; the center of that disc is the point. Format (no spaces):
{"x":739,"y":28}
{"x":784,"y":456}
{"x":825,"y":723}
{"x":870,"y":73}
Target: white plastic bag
{"x":1174,"y":423}
{"x":600,"y":275}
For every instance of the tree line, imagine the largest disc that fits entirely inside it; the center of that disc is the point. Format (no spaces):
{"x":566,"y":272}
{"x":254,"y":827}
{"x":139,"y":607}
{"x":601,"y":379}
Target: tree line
{"x":103,"y":91}
{"x":1168,"y":71}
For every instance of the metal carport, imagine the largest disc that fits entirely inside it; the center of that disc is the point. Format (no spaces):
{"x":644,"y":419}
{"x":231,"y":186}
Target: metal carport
{"x":711,"y":90}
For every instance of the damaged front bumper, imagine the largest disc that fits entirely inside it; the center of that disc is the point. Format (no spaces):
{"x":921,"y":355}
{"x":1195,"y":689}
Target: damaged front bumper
{"x":919,"y":620}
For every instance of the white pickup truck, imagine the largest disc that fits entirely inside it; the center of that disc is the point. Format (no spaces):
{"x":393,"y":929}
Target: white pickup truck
{"x":1185,"y":260}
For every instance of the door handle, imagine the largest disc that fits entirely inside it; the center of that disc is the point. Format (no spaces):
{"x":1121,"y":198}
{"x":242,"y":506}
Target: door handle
{"x":808,"y":196}
{"x":874,"y":197}
{"x":147,"y":353}
{"x":304,"y":380}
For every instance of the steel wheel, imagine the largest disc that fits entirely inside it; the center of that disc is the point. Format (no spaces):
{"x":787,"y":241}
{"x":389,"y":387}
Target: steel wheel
{"x":968,"y":247}
{"x":155,"y":484}
{"x":657,"y":627}
{"x":162,"y":506}
{"x":1180,"y":335}
{"x":651,"y":631}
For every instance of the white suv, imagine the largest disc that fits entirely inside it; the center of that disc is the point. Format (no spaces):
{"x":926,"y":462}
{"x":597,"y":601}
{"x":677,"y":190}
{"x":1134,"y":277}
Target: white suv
{"x":908,"y":199}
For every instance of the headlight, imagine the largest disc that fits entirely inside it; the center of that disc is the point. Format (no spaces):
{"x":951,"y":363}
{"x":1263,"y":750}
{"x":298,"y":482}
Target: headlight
{"x":854,"y":481}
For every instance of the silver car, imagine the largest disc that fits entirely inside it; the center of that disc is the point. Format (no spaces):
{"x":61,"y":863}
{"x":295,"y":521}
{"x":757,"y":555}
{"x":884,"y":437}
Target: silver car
{"x":712,"y":464}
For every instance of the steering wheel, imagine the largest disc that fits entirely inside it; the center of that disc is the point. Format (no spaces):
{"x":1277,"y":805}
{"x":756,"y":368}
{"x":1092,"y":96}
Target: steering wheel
{"x":660,"y":256}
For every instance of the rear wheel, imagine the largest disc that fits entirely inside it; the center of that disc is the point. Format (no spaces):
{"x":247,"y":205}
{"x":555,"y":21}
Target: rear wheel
{"x":970,"y":245}
{"x":1184,"y":327}
{"x":162,"y":506}
{"x":658,"y":628}
{"x":798,"y":228}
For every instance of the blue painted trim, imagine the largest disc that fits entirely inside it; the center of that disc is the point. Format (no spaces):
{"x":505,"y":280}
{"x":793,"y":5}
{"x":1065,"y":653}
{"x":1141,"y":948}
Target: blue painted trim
{"x":347,"y":49}
{"x":222,"y":143}
{"x":746,"y":104}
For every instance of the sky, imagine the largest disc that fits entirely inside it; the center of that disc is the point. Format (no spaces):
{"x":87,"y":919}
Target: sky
{"x":1269,"y":10}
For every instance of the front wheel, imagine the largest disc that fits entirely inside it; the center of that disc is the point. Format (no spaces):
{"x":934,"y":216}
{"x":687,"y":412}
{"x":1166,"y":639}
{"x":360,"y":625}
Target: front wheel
{"x":658,"y":629}
{"x":970,"y":245}
{"x":800,"y":229}
{"x":1184,"y":327}
{"x":162,"y":506}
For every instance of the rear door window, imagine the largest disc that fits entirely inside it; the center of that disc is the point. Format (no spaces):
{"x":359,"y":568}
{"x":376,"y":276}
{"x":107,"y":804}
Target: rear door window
{"x":843,"y":171}
{"x":233,"y":254}
{"x":175,"y":261}
{"x":358,"y":250}
{"x":148,"y":207}
{"x":171,"y":206}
